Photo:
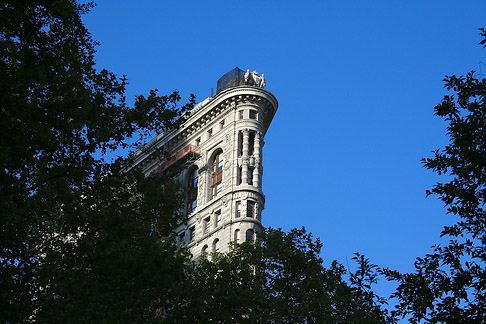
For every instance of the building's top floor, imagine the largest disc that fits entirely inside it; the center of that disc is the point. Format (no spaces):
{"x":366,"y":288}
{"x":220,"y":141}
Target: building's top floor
{"x":237,"y":90}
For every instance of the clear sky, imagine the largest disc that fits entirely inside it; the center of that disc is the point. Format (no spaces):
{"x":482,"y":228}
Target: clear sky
{"x":356,"y":81}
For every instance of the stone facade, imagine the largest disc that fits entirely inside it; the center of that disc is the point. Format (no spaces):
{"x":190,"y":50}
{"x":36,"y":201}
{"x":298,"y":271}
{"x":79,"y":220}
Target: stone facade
{"x":217,"y":156}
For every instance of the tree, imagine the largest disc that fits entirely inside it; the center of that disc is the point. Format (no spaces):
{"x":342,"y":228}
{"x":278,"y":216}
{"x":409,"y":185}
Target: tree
{"x":81,"y":237}
{"x":278,"y":279}
{"x":78,"y":239}
{"x":449,"y":284}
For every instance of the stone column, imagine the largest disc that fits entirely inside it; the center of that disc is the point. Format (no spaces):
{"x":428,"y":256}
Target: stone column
{"x":246,"y":140}
{"x":256,"y":176}
{"x":201,"y":187}
{"x":244,"y":171}
{"x":256,"y":153}
{"x":244,"y":168}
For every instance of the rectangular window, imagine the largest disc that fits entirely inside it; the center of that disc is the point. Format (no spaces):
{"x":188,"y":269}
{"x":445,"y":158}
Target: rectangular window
{"x":240,"y":143}
{"x":251,"y":143}
{"x":250,"y":209}
{"x":221,"y":124}
{"x":218,"y":218}
{"x":250,"y":176}
{"x":241,"y":114}
{"x":192,"y":234}
{"x":253,"y":114}
{"x":182,"y":238}
{"x":207,"y":225}
{"x":238,"y":209}
{"x":238,"y":176}
{"x":198,"y":141}
{"x":210,"y":133}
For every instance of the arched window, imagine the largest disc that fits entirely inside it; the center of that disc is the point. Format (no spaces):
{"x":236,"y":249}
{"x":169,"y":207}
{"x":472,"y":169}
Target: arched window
{"x":204,"y":249}
{"x":217,"y":179}
{"x":237,"y":236}
{"x":216,"y":245}
{"x":250,"y":235}
{"x":192,"y":192}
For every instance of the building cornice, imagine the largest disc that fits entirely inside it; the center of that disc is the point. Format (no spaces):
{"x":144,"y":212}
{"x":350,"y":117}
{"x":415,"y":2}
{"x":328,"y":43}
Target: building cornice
{"x":206,"y":111}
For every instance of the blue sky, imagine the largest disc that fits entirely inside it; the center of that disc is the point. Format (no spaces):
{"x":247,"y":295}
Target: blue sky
{"x":356,"y":81}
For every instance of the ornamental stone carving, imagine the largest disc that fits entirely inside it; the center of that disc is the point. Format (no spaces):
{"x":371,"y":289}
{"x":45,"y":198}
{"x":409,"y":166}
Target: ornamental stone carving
{"x":254,"y":79}
{"x":227,"y":165}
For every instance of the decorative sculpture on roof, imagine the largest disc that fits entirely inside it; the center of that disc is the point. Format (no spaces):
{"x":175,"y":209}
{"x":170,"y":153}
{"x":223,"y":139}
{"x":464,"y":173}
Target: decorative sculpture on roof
{"x":263,"y":82}
{"x":254,"y":79}
{"x":247,"y":77}
{"x":237,"y":77}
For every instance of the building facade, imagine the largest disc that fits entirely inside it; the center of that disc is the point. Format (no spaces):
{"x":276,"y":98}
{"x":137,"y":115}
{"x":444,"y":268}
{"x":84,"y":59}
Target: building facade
{"x":217,"y":156}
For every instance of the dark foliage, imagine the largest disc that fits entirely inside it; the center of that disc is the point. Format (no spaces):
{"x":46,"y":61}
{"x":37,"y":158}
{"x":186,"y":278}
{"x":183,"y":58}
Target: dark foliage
{"x":278,"y":279}
{"x":77,"y":240}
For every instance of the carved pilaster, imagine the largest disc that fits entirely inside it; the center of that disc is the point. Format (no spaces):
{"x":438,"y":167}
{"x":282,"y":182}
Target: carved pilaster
{"x":257,"y":150}
{"x":246,"y":140}
{"x":244,"y":171}
{"x":201,"y":188}
{"x":256,"y":177}
{"x":227,"y":143}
